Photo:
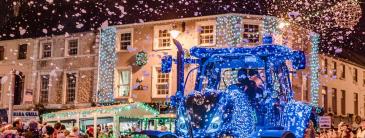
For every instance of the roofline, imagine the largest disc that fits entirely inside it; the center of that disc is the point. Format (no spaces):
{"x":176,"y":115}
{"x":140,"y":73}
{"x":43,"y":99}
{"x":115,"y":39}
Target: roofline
{"x":343,"y":60}
{"x":190,"y":19}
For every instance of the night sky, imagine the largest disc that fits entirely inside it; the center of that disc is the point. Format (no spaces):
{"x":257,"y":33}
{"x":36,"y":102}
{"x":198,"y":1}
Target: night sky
{"x":54,"y":17}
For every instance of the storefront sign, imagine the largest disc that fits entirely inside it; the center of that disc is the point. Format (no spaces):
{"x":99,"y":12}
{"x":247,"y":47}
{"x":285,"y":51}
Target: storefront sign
{"x":26,"y":115}
{"x":325,"y":122}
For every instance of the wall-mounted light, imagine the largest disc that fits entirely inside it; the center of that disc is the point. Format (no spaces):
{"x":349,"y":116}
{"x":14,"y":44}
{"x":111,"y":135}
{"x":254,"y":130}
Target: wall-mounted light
{"x":174,"y":32}
{"x":283,"y":24}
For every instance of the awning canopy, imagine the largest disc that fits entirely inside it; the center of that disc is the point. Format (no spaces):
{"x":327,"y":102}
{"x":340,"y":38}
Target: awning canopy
{"x":133,"y":110}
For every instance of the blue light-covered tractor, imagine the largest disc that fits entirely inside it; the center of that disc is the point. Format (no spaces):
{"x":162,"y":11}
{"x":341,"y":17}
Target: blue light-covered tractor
{"x":239,"y":92}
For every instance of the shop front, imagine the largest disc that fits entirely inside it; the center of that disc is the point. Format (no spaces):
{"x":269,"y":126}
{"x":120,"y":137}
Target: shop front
{"x":118,"y":119}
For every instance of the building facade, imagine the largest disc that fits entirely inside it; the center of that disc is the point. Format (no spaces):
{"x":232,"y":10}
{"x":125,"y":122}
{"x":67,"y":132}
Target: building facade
{"x":17,"y":55}
{"x":342,"y":88}
{"x":66,"y":71}
{"x":146,"y":83}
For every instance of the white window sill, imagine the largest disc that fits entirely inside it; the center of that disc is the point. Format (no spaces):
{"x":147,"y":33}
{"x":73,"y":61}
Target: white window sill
{"x":160,"y":49}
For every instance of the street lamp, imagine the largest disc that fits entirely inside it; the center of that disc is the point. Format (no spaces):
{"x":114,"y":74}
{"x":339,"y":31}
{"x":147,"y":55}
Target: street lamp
{"x":174,"y":32}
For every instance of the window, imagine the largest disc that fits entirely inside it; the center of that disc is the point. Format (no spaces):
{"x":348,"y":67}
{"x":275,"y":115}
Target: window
{"x":334,"y":69}
{"x":343,"y":71}
{"x":355,"y":75}
{"x":343,"y":102}
{"x":206,"y":35}
{"x":161,"y":83}
{"x":2,"y":53}
{"x":72,"y":47}
{"x":125,"y":39}
{"x":356,"y":103}
{"x":251,"y":33}
{"x":228,"y":77}
{"x":334,"y":100}
{"x":324,"y":98}
{"x":71,"y":87}
{"x":44,"y":88}
{"x":325,"y":66}
{"x":46,"y":49}
{"x":162,"y":38}
{"x":125,"y":83}
{"x":22,"y":51}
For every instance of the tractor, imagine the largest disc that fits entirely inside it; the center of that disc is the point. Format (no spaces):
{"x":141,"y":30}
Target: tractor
{"x":239,"y":92}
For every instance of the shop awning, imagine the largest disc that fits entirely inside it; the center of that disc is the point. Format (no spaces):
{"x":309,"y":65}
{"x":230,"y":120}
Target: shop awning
{"x":133,"y":110}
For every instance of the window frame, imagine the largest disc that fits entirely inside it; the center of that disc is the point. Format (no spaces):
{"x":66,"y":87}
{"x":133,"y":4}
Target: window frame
{"x":2,"y":55}
{"x":67,"y":46}
{"x":355,"y":75}
{"x":334,"y":101}
{"x":118,"y":82}
{"x":40,"y":87}
{"x":66,"y":86}
{"x":343,"y":71}
{"x":356,"y":103}
{"x":26,"y":51}
{"x":334,"y":69}
{"x":343,"y":102}
{"x":252,"y":22}
{"x":41,"y":53}
{"x":199,"y":24}
{"x":156,"y":38}
{"x":118,"y":38}
{"x":324,"y":97}
{"x":154,"y":84}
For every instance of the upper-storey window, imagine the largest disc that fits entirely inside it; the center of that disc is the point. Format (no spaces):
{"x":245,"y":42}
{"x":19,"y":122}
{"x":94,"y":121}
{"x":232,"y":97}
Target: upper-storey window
{"x":251,"y":33}
{"x":355,"y":75}
{"x":161,"y":83}
{"x":125,"y":39}
{"x":206,"y":33}
{"x":124,"y":87}
{"x":22,"y":51}
{"x":325,"y":66}
{"x":2,"y":53}
{"x":72,"y":47}
{"x":162,"y":37}
{"x":343,"y":71}
{"x":334,"y":68}
{"x":46,"y":49}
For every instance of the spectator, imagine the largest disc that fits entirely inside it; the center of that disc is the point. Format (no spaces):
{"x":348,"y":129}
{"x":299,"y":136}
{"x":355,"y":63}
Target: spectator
{"x":361,"y":131}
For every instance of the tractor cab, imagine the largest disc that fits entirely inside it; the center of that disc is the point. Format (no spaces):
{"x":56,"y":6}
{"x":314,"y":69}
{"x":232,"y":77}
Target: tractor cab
{"x":239,"y":92}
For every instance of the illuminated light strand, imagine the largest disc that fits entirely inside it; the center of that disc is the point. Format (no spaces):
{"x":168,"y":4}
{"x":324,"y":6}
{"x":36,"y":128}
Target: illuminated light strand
{"x":229,"y":29}
{"x":107,"y":63}
{"x":105,"y":110}
{"x":314,"y":68}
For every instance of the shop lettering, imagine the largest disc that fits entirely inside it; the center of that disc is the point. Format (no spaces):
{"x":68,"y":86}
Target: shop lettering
{"x":25,"y":114}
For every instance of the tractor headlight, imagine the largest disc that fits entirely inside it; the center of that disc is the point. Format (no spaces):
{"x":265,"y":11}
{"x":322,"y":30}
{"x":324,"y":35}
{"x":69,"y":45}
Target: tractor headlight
{"x":215,"y":124}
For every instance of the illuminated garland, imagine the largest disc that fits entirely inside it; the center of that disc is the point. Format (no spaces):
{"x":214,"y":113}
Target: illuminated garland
{"x":270,"y":25}
{"x":141,"y":58}
{"x":314,"y":68}
{"x":105,"y":110}
{"x":107,"y":61}
{"x":229,"y":31}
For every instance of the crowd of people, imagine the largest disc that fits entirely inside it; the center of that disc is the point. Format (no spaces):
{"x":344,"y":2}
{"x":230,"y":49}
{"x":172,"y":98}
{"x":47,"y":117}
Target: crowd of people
{"x":343,"y":130}
{"x":34,"y":129}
